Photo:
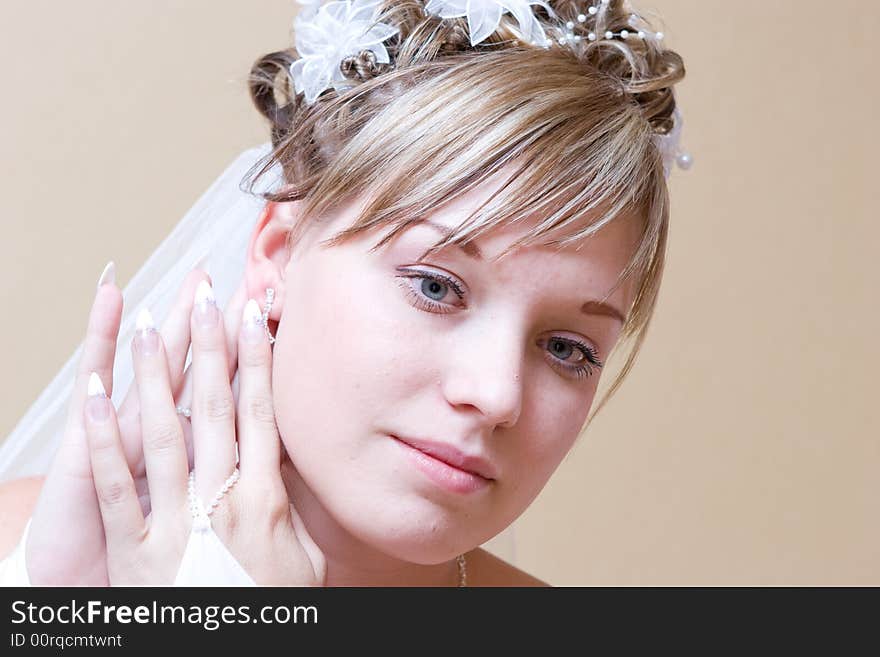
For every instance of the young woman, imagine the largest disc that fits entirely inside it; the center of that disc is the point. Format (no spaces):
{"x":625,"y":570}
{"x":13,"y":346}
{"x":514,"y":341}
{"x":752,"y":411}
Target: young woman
{"x":470,"y":217}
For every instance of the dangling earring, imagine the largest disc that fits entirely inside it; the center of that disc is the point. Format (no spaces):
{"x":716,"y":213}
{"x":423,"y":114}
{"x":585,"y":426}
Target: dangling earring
{"x":270,"y":297}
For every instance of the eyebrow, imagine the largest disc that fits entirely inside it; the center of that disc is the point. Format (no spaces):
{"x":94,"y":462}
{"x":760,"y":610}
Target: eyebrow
{"x":591,"y":307}
{"x":470,"y":249}
{"x":599,"y":308}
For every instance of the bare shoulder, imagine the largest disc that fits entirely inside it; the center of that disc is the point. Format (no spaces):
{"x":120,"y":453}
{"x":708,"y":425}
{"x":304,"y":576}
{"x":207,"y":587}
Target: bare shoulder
{"x":485,"y":569}
{"x":17,"y":499}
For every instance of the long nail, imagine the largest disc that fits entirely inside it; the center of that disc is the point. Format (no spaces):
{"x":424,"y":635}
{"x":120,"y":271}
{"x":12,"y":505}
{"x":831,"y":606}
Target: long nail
{"x":206,"y":310}
{"x":252,"y":324}
{"x":96,"y":387}
{"x":146,"y":335}
{"x":97,"y":404}
{"x":108,"y":275}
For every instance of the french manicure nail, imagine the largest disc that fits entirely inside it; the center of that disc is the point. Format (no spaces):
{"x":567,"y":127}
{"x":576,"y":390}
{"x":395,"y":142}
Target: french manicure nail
{"x":108,"y":275}
{"x":97,"y":404}
{"x":206,"y":310}
{"x":252,"y":322}
{"x":146,"y":334}
{"x":95,"y":385}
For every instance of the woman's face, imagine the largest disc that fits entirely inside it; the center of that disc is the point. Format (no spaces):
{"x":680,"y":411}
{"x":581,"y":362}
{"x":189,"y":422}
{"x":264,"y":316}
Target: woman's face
{"x":375,"y":347}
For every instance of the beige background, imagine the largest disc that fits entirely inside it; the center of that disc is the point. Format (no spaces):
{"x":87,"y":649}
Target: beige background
{"x":744,"y":447}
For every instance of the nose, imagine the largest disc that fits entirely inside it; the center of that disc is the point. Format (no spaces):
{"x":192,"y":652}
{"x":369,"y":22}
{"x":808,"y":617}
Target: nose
{"x":487,"y":373}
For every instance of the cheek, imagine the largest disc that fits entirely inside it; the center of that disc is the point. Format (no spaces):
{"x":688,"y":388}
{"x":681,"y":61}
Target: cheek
{"x":338,"y":358}
{"x":552,"y":417}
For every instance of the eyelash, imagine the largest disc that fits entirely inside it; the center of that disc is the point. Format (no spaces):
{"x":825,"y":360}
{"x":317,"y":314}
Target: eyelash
{"x":580,"y":371}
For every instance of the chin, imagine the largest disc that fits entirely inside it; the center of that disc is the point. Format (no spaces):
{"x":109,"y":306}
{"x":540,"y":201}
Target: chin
{"x":418,"y":531}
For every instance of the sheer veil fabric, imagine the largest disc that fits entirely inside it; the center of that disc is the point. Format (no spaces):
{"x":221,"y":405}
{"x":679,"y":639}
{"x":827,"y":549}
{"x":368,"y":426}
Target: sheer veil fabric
{"x":217,"y":228}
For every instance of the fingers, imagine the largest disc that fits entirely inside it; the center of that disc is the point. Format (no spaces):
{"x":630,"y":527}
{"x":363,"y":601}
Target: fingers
{"x":117,"y":498}
{"x":259,"y":446}
{"x":231,"y":321}
{"x":67,"y":512}
{"x":164,"y":449}
{"x":98,"y":355}
{"x":175,"y":336}
{"x":213,"y":407}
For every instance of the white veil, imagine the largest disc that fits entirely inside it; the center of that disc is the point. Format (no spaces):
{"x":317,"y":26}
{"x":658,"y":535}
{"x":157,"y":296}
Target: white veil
{"x":217,"y":228}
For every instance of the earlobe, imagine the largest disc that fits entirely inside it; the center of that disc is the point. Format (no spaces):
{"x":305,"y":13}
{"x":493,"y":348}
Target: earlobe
{"x":268,"y":256}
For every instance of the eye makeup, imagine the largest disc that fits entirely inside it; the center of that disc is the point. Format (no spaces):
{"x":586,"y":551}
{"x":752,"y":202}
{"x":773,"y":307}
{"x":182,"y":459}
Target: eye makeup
{"x":589,"y":355}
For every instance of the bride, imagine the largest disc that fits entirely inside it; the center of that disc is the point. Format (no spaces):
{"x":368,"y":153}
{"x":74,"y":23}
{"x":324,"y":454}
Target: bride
{"x":457,"y":222}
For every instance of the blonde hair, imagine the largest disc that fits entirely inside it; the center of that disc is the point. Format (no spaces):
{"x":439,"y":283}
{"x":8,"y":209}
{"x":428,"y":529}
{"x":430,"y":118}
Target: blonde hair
{"x":579,"y":120}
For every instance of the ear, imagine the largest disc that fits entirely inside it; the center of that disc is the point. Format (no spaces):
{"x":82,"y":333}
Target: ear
{"x":268,"y":254}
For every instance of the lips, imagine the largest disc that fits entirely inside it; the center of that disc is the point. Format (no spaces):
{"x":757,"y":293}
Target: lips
{"x":451,"y":455}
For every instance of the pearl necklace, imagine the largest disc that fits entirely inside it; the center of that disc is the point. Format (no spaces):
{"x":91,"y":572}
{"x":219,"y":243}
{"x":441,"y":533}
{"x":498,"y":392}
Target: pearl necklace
{"x":202,"y":521}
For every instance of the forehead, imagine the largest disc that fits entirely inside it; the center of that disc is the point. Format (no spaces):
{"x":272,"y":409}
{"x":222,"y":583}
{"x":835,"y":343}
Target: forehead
{"x":601,"y":255}
{"x":594,"y":262}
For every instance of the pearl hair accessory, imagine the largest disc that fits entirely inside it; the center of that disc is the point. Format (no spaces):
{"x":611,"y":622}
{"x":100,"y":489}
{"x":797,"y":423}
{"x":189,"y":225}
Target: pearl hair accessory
{"x":329,"y":33}
{"x":668,"y":144}
{"x":637,"y":33}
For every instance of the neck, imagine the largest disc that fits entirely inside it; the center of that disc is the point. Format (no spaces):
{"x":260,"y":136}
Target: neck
{"x":350,"y":561}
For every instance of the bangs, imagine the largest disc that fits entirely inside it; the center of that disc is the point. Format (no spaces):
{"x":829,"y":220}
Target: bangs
{"x":580,"y":157}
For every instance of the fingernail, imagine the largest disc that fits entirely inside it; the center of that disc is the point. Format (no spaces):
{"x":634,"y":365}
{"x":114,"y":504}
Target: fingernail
{"x":97,"y":404}
{"x":252,"y":322}
{"x":206,"y":310}
{"x":146,"y":335}
{"x":108,"y":275}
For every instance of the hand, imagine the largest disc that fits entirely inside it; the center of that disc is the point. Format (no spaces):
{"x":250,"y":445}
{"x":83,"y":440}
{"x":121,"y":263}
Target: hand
{"x":66,"y":541}
{"x":176,"y":333}
{"x":254,"y":519}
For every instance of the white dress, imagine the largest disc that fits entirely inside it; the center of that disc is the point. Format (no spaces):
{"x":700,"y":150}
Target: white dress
{"x":206,"y":561}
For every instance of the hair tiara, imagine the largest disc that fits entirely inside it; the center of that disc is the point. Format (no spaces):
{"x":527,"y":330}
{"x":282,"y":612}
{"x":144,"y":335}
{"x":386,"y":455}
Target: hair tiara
{"x":327,"y":33}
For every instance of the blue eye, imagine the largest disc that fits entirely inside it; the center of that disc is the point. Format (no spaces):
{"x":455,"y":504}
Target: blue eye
{"x":590,"y":357}
{"x":436,"y":287}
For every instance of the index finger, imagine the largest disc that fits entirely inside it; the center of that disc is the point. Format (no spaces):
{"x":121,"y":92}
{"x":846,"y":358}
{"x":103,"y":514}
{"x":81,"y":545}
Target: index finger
{"x":98,"y":355}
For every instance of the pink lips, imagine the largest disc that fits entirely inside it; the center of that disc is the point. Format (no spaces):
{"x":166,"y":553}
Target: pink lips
{"x":451,"y":477}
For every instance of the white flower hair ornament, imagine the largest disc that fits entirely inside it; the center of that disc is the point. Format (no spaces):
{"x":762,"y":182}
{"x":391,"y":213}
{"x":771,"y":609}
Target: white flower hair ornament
{"x":483,"y":17}
{"x":328,"y":34}
{"x":325,"y":35}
